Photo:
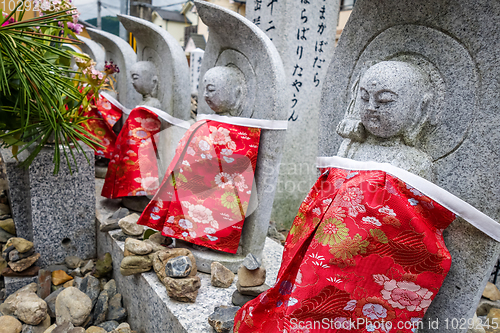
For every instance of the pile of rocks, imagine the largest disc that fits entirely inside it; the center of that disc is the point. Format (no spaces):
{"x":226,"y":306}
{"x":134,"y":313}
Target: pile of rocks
{"x":19,"y":258}
{"x":76,"y":297}
{"x":251,"y":281}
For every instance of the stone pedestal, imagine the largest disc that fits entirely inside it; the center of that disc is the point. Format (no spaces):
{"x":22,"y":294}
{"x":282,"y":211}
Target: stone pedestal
{"x":56,"y":212}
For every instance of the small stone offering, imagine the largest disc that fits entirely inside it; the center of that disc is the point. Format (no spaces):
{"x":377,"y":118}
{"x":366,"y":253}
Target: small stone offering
{"x":222,"y":319}
{"x":23,"y":264}
{"x":135,"y":264}
{"x":239,"y":300}
{"x":129,"y":225}
{"x":251,"y":262}
{"x":104,"y":266}
{"x":252,"y":291}
{"x":72,"y":262}
{"x":183,"y":290}
{"x":138,"y":247}
{"x":14,"y":255}
{"x":220,"y":275}
{"x":248,"y":278}
{"x":178,"y":267}
{"x":22,"y":245}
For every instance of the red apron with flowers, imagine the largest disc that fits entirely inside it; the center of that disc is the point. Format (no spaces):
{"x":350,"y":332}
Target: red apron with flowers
{"x":365,"y":254}
{"x":204,"y":196}
{"x":133,"y":169}
{"x":102,"y":118}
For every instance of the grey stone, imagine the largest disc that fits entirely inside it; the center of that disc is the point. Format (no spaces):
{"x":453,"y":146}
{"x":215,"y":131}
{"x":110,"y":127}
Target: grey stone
{"x":13,"y":284}
{"x":101,"y":308}
{"x":73,"y":306}
{"x":466,"y":125}
{"x":237,"y":42}
{"x":120,"y":236}
{"x":136,"y":204}
{"x":100,"y":172}
{"x":304,"y":36}
{"x":115,"y":309}
{"x":90,"y":286}
{"x":110,"y":287}
{"x":248,"y":278}
{"x":64,"y":327}
{"x":252,"y":291}
{"x":129,"y":225}
{"x":59,"y":210}
{"x":23,"y":264}
{"x":87,"y":267}
{"x":14,"y":255}
{"x":51,"y":302}
{"x":239,"y":300}
{"x":53,"y":268}
{"x":178,"y":267}
{"x":6,"y":250}
{"x":183,"y":290}
{"x":251,"y":262}
{"x":72,"y":262}
{"x":112,"y":222}
{"x":156,"y":45}
{"x":109,"y":325}
{"x":222,"y":319}
{"x":220,"y":276}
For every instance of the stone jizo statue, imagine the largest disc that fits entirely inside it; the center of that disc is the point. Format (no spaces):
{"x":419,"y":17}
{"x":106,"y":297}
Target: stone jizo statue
{"x":225,"y":90}
{"x":145,"y":81}
{"x":387,"y":117}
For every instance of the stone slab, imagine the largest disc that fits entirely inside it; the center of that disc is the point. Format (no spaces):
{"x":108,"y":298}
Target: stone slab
{"x":149,"y":307}
{"x":304,"y":35}
{"x":62,"y":208}
{"x":12,"y":284}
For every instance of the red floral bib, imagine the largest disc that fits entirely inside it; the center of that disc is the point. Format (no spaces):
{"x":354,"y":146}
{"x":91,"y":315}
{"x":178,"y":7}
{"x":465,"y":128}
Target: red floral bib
{"x":133,"y":169}
{"x":204,"y":196}
{"x":365,"y":254}
{"x":102,"y":118}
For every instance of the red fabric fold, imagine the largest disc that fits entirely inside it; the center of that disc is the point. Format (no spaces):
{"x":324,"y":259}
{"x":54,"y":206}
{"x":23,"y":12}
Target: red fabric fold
{"x":365,"y":254}
{"x":204,"y":196}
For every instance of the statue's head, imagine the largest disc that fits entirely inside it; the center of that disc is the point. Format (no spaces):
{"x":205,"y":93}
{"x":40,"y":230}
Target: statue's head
{"x":392,"y":100}
{"x":225,"y":89}
{"x":145,"y":78}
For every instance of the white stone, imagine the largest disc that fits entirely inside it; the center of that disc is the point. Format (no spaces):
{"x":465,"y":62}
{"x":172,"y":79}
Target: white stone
{"x":72,"y":306}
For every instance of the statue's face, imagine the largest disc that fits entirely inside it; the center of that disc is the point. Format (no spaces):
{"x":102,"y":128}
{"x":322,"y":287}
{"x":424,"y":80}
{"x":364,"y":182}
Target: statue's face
{"x":220,"y":94}
{"x":143,"y":78}
{"x":388,"y":98}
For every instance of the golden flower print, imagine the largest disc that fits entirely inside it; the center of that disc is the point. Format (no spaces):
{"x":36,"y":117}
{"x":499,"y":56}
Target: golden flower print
{"x":331,"y":231}
{"x":349,"y":248}
{"x":230,"y":200}
{"x":99,"y":131}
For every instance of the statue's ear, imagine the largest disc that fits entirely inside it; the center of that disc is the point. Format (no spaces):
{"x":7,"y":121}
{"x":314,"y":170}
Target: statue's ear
{"x":421,"y":117}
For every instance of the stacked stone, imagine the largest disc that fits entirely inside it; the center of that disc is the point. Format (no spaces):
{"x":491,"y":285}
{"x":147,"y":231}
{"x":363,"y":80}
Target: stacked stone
{"x":19,"y":258}
{"x":251,"y":281}
{"x":176,"y":268}
{"x":488,"y":311}
{"x":137,"y":257}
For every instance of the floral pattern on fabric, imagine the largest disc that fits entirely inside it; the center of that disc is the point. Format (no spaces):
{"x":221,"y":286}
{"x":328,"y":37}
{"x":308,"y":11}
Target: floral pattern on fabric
{"x":204,"y":196}
{"x":133,"y":169}
{"x":364,"y":254}
{"x":103,"y":117}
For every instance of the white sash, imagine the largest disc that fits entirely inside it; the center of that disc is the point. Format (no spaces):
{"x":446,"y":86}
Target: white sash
{"x":248,"y":122}
{"x":436,"y":193}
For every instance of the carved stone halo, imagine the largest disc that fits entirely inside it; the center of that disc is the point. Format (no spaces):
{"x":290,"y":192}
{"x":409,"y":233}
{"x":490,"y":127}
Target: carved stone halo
{"x":452,"y":89}
{"x":239,"y":60}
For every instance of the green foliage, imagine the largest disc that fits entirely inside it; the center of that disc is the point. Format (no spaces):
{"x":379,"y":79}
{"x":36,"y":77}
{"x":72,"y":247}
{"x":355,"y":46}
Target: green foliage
{"x":40,"y":102}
